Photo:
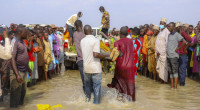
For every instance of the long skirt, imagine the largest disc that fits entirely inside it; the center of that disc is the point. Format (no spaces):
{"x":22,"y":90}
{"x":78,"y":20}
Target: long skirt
{"x":35,"y":69}
{"x":195,"y":62}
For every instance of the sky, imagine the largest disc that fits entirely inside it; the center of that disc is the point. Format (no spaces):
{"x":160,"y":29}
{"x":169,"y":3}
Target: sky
{"x":122,"y":12}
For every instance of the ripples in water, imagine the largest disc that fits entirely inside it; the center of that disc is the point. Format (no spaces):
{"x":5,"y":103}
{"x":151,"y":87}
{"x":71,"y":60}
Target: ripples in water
{"x":66,"y":89}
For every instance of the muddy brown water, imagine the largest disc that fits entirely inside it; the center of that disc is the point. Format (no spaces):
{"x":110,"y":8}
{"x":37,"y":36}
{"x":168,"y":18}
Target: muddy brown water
{"x":66,"y":89}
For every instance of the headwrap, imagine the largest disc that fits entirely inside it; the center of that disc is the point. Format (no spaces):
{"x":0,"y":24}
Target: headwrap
{"x":178,"y":24}
{"x":164,"y":20}
{"x":149,"y":33}
{"x":186,"y":25}
{"x":129,"y":30}
{"x":156,"y":27}
{"x":134,"y":36}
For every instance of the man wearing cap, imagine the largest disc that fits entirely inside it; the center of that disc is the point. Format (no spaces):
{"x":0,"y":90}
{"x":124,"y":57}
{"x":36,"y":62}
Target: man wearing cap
{"x":151,"y":48}
{"x":172,"y":53}
{"x":186,"y":26}
{"x":160,"y":50}
{"x":70,"y":24}
{"x":183,"y":58}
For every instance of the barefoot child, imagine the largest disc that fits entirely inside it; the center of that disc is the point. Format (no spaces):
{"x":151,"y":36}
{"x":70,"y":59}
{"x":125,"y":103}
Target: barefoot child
{"x":47,"y":54}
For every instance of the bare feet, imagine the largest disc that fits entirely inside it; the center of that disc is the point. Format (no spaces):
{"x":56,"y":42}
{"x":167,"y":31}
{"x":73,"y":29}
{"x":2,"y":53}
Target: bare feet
{"x":121,"y":99}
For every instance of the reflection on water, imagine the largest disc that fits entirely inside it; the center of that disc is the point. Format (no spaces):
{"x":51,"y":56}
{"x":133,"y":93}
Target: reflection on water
{"x":66,"y":89}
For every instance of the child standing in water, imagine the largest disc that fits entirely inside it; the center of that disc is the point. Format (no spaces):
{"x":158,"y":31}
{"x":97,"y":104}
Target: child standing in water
{"x":47,"y":54}
{"x":35,"y":76}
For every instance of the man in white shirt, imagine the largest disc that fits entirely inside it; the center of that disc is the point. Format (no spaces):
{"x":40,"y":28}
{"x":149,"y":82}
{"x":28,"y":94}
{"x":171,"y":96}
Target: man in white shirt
{"x":160,"y":50}
{"x":70,"y":24}
{"x":90,"y":47}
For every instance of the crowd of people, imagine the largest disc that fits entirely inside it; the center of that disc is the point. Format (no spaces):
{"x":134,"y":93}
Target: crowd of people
{"x":157,"y":46}
{"x":166,"y":52}
{"x":30,"y":55}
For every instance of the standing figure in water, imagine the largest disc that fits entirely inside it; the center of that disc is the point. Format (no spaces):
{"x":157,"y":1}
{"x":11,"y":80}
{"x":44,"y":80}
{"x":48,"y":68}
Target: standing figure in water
{"x":124,"y":77}
{"x":90,"y":47}
{"x":78,"y":36}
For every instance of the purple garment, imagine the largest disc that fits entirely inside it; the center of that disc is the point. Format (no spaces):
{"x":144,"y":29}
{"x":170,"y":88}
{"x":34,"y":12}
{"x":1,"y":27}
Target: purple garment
{"x":195,"y":68}
{"x":56,"y":47}
{"x":78,"y":36}
{"x":22,"y":58}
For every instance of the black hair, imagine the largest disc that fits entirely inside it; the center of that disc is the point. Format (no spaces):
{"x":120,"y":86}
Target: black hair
{"x":79,"y":13}
{"x":32,"y":31}
{"x":113,"y":29}
{"x":20,"y":28}
{"x":174,"y":24}
{"x":87,"y":28}
{"x":78,"y":23}
{"x":101,"y":7}
{"x":146,"y":25}
{"x":37,"y":25}
{"x":142,"y":27}
{"x":124,"y":31}
{"x":21,"y":25}
{"x":10,"y":33}
{"x":191,"y":26}
{"x":137,"y":30}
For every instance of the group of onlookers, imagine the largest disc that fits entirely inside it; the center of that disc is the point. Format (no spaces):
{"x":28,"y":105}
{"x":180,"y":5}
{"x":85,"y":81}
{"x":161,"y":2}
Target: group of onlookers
{"x":168,"y":51}
{"x":29,"y":55}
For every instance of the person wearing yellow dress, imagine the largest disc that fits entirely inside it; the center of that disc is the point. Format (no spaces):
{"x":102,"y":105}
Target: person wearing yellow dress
{"x":144,"y":48}
{"x":47,"y":54}
{"x":151,"y":50}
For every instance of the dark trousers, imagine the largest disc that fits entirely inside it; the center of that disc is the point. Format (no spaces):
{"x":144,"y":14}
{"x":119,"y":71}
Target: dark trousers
{"x":41,"y":72}
{"x":105,"y":31}
{"x":18,"y":90}
{"x":183,"y":59}
{"x":172,"y":64}
{"x":80,"y":67}
{"x":70,"y":30}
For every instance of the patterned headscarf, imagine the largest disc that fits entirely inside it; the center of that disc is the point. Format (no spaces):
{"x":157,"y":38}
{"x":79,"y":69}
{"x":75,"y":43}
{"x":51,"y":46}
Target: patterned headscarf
{"x":134,"y":36}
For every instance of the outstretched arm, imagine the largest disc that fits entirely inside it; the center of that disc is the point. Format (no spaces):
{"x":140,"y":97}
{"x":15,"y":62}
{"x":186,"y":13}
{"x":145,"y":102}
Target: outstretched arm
{"x":6,"y":51}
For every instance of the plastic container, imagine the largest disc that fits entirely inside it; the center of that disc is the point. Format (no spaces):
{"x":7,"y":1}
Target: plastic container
{"x":66,"y":45}
{"x":107,"y":43}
